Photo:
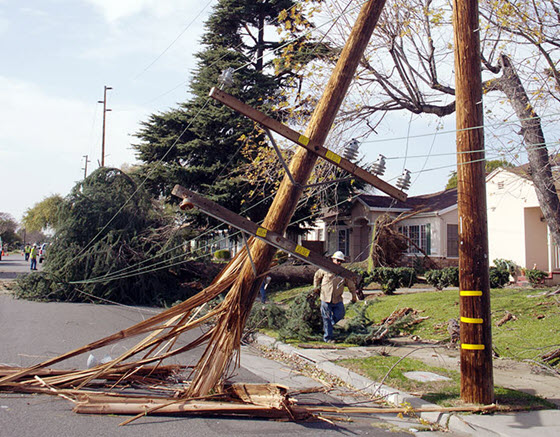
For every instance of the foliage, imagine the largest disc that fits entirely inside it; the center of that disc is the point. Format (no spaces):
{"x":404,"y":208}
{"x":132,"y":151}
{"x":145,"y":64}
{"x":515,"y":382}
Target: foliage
{"x":266,"y":316}
{"x":490,"y":166}
{"x":8,"y":226}
{"x":441,"y":278}
{"x":304,"y":318}
{"x":535,"y":277}
{"x":505,"y":264}
{"x":222,"y":254}
{"x":392,"y":278}
{"x":107,"y":224}
{"x":205,"y":146}
{"x":44,"y":214}
{"x":498,"y":277}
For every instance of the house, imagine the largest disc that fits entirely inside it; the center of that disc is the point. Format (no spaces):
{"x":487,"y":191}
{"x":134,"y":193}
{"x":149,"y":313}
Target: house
{"x":516,"y":226}
{"x":430,"y":222}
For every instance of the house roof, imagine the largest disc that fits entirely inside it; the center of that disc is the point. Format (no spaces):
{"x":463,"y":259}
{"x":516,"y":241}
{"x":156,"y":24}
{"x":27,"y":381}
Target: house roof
{"x":427,"y":202}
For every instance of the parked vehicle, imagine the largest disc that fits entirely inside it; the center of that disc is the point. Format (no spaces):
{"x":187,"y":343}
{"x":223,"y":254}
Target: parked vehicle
{"x":42,"y":252}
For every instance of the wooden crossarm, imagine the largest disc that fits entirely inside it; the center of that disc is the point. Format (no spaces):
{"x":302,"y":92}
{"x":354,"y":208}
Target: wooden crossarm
{"x":303,"y":141}
{"x":274,"y":239}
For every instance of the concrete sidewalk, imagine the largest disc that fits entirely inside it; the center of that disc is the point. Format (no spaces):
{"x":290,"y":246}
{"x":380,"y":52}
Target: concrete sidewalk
{"x":545,"y":423}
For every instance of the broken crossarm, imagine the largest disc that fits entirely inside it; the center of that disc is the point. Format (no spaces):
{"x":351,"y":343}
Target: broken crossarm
{"x":303,"y":141}
{"x":225,"y":215}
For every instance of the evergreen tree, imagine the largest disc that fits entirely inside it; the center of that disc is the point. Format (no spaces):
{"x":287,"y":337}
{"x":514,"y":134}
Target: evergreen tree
{"x":112,"y":242}
{"x":204,"y":145}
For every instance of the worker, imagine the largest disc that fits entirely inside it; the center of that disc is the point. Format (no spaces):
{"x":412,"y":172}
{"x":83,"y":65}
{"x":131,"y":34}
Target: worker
{"x":26,"y":251}
{"x":264,"y":286}
{"x":33,"y":256}
{"x":331,"y":288}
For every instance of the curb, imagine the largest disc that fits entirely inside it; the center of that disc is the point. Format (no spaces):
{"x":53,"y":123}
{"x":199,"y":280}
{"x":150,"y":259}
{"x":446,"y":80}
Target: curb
{"x":449,"y":421}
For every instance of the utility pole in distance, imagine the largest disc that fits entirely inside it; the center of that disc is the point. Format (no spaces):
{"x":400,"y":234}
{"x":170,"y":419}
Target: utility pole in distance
{"x":477,"y":382}
{"x":85,"y":165}
{"x":105,"y":110}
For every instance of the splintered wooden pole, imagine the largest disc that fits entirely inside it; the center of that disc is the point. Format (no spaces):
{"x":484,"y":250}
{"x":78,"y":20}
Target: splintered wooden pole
{"x":477,"y":384}
{"x":217,"y":356}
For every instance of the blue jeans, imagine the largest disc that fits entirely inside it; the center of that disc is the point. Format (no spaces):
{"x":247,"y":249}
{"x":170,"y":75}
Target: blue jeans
{"x":33,"y":264}
{"x":331,"y":313}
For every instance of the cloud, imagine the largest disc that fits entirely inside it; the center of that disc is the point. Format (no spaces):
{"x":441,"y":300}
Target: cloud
{"x":170,"y":29}
{"x":116,"y":10}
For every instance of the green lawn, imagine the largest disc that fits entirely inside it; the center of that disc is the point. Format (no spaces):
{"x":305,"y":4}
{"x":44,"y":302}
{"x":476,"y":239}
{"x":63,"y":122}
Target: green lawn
{"x":534,"y":332}
{"x":391,"y":371}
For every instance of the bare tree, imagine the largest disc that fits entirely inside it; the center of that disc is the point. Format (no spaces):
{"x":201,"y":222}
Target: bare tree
{"x":409,"y":66}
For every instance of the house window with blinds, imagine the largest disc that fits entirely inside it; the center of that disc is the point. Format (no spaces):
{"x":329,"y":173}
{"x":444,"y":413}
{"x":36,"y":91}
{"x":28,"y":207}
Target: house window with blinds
{"x":419,"y":238}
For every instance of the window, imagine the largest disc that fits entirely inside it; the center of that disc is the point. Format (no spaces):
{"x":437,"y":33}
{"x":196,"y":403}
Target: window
{"x":452,"y":240}
{"x":344,"y":241}
{"x":419,"y":237}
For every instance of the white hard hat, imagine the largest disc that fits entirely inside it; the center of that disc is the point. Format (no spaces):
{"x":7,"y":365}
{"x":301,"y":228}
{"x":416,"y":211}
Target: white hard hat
{"x":338,"y":255}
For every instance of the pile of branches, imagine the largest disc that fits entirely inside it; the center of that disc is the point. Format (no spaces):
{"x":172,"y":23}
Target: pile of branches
{"x":302,"y":321}
{"x":112,"y":242}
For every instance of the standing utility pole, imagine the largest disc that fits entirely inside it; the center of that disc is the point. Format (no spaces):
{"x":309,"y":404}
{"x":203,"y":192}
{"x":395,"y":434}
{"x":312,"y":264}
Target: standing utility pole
{"x":85,"y":166}
{"x":105,"y":110}
{"x":477,"y":385}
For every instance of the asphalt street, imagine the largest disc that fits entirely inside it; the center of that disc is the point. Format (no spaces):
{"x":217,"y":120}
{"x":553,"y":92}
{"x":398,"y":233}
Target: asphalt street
{"x":13,"y":265}
{"x":31,"y":332}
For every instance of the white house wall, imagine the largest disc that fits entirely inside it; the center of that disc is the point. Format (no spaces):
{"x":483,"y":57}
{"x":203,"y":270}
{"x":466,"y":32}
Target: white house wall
{"x":507,"y":197}
{"x":450,"y":217}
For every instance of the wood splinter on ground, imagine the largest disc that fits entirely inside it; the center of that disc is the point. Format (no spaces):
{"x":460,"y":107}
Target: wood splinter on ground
{"x":109,"y":388}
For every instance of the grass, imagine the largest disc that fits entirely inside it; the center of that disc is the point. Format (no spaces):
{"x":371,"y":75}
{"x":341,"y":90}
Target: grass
{"x":391,"y":370}
{"x":533,"y":333}
{"x":287,"y":296}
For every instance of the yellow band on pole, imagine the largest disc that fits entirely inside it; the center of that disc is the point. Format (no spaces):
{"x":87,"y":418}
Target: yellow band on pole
{"x":472,"y":347}
{"x":470,"y":293}
{"x":261,"y":232}
{"x":470,"y":320}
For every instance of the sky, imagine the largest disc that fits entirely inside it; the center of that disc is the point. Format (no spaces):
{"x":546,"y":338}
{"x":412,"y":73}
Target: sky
{"x":57,"y":56}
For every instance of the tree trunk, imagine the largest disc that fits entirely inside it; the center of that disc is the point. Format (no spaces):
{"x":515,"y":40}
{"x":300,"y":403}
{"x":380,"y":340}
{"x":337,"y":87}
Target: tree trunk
{"x":533,"y":136}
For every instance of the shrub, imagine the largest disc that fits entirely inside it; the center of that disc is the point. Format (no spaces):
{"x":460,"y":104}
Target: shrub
{"x":447,"y":277}
{"x":407,"y":276}
{"x":222,"y":254}
{"x":392,"y":278}
{"x":506,"y":264}
{"x":535,"y":276}
{"x":498,"y":277}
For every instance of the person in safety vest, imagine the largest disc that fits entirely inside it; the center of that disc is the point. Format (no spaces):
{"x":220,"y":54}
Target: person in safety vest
{"x":33,"y":255}
{"x":331,"y":288}
{"x":26,"y":251}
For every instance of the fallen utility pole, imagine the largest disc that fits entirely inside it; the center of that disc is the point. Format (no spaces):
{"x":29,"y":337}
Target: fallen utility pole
{"x":278,"y":241}
{"x":306,"y":142}
{"x":227,"y":335}
{"x":477,"y":384}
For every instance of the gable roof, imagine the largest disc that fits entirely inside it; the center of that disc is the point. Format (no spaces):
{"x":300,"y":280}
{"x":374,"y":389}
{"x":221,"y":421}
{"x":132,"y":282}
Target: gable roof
{"x":427,"y":202}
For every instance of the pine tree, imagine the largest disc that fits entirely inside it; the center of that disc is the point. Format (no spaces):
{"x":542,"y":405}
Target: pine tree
{"x":204,"y":146}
